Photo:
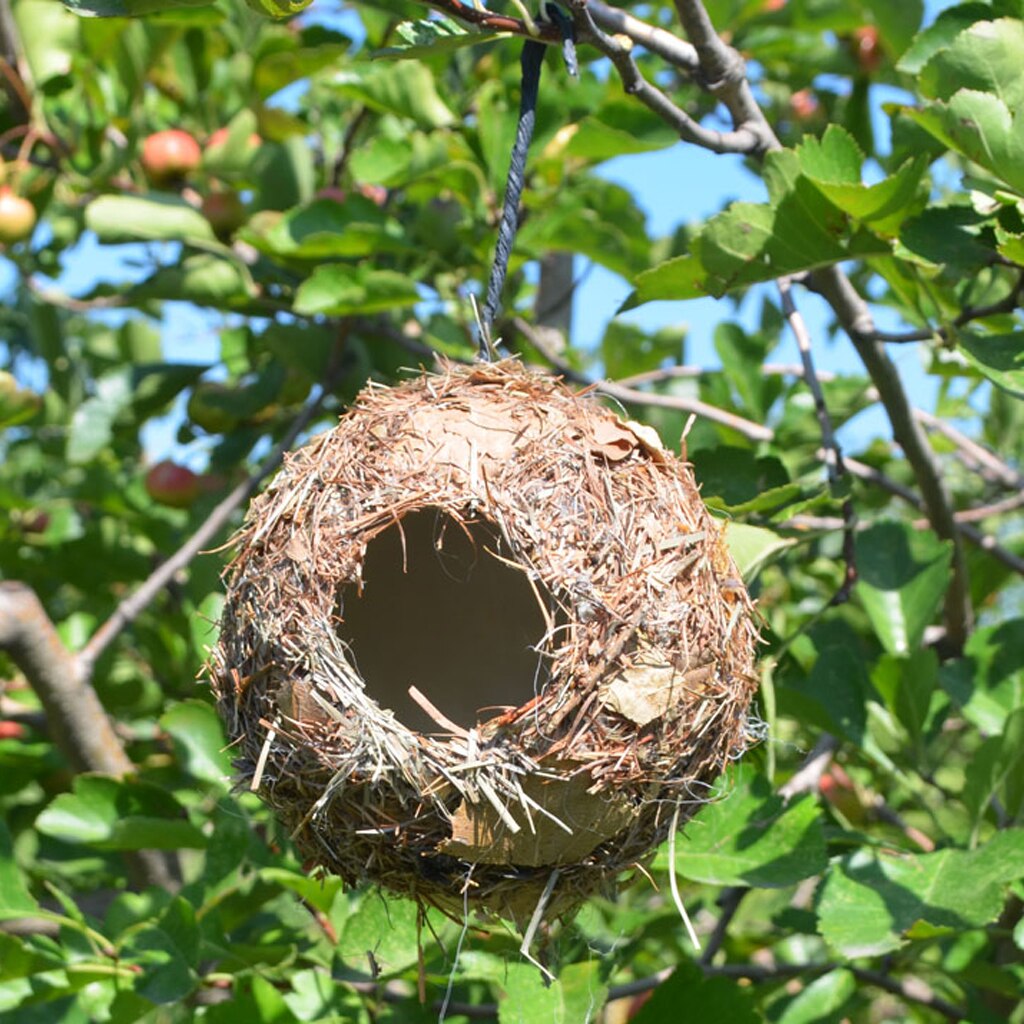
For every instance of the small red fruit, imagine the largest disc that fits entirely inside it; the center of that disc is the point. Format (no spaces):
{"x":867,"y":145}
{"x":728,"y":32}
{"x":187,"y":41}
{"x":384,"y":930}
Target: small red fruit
{"x":804,"y":104}
{"x":173,"y":485}
{"x":867,"y":48}
{"x":773,"y":5}
{"x":225,"y":211}
{"x":11,"y":730}
{"x":169,"y":154}
{"x":17,"y":216}
{"x":375,"y":193}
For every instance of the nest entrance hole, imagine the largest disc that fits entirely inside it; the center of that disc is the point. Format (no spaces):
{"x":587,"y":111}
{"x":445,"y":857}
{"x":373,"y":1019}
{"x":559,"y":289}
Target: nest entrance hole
{"x":440,"y":612}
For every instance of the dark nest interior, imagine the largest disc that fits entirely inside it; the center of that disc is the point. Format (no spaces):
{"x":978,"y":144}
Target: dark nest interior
{"x":483,"y":644}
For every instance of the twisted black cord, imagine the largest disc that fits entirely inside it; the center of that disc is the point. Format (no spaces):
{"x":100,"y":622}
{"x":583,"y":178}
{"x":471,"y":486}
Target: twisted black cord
{"x":530,"y":61}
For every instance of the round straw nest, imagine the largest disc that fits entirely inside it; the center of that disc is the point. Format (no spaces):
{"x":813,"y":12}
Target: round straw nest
{"x":483,"y":644}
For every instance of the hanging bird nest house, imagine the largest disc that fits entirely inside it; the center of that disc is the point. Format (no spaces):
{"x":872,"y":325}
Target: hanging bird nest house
{"x":482,"y":641}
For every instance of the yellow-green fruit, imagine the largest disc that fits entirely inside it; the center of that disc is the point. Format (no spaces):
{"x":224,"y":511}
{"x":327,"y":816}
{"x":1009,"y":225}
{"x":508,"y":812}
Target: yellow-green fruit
{"x":278,"y":8}
{"x":208,"y":407}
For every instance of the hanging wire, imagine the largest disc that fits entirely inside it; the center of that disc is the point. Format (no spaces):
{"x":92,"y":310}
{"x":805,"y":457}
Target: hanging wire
{"x":531,"y":60}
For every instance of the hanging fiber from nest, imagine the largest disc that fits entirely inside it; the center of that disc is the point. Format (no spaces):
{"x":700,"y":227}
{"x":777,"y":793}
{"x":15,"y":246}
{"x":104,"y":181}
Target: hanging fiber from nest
{"x":482,"y":643}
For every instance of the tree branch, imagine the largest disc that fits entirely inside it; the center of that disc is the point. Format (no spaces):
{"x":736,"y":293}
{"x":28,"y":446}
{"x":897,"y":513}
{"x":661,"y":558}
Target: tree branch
{"x":855,"y":318}
{"x":77,"y":721}
{"x":833,"y":453}
{"x":742,"y":140}
{"x":631,"y":396}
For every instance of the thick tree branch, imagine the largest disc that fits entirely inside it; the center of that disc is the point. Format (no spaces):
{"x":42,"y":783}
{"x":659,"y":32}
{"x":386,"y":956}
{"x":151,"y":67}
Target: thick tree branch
{"x":743,"y":140}
{"x":77,"y":721}
{"x":671,"y":49}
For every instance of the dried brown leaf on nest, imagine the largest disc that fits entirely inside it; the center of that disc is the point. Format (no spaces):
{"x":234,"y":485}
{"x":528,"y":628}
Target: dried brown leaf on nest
{"x":592,"y":673}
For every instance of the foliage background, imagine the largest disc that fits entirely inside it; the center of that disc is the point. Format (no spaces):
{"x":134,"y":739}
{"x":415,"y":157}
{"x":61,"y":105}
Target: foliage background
{"x":867,"y":862}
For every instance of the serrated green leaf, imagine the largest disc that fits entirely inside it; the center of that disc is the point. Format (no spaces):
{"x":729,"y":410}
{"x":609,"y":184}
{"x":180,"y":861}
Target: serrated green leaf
{"x":339,"y":290}
{"x":1000,"y":357}
{"x":871,"y":900}
{"x":986,"y":57}
{"x":438,"y":35}
{"x":750,"y":836}
{"x":902,"y":578}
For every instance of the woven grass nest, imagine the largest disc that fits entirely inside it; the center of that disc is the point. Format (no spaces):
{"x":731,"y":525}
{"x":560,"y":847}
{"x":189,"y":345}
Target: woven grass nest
{"x":483,"y":644}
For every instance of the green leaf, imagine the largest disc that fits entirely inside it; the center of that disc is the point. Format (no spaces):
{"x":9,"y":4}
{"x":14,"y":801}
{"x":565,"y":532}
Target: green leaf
{"x":988,"y":681}
{"x":438,"y":35}
{"x":870,"y":900}
{"x":982,"y":128}
{"x":940,"y":34}
{"x":386,"y":927}
{"x":688,"y":994}
{"x":750,"y":836}
{"x":202,"y":278}
{"x":113,"y":814}
{"x":754,"y":547}
{"x":50,"y":37}
{"x":985,"y":57}
{"x":198,"y":735}
{"x":168,"y":952}
{"x":1000,"y":357}
{"x":253,"y":999}
{"x":907,"y":685}
{"x":834,"y":695}
{"x":326,"y":229}
{"x":822,"y":1000}
{"x":406,"y":89}
{"x":339,"y":290}
{"x":93,"y":421}
{"x":997,"y":771}
{"x":126,"y":218}
{"x":525,"y":997}
{"x":903,"y":576}
{"x":15,"y":898}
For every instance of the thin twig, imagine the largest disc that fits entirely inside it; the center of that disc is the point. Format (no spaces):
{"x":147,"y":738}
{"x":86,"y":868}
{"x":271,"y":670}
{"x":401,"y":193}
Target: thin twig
{"x":975,"y":455}
{"x":682,"y":403}
{"x":833,"y":453}
{"x":1009,"y":304}
{"x":971,"y":533}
